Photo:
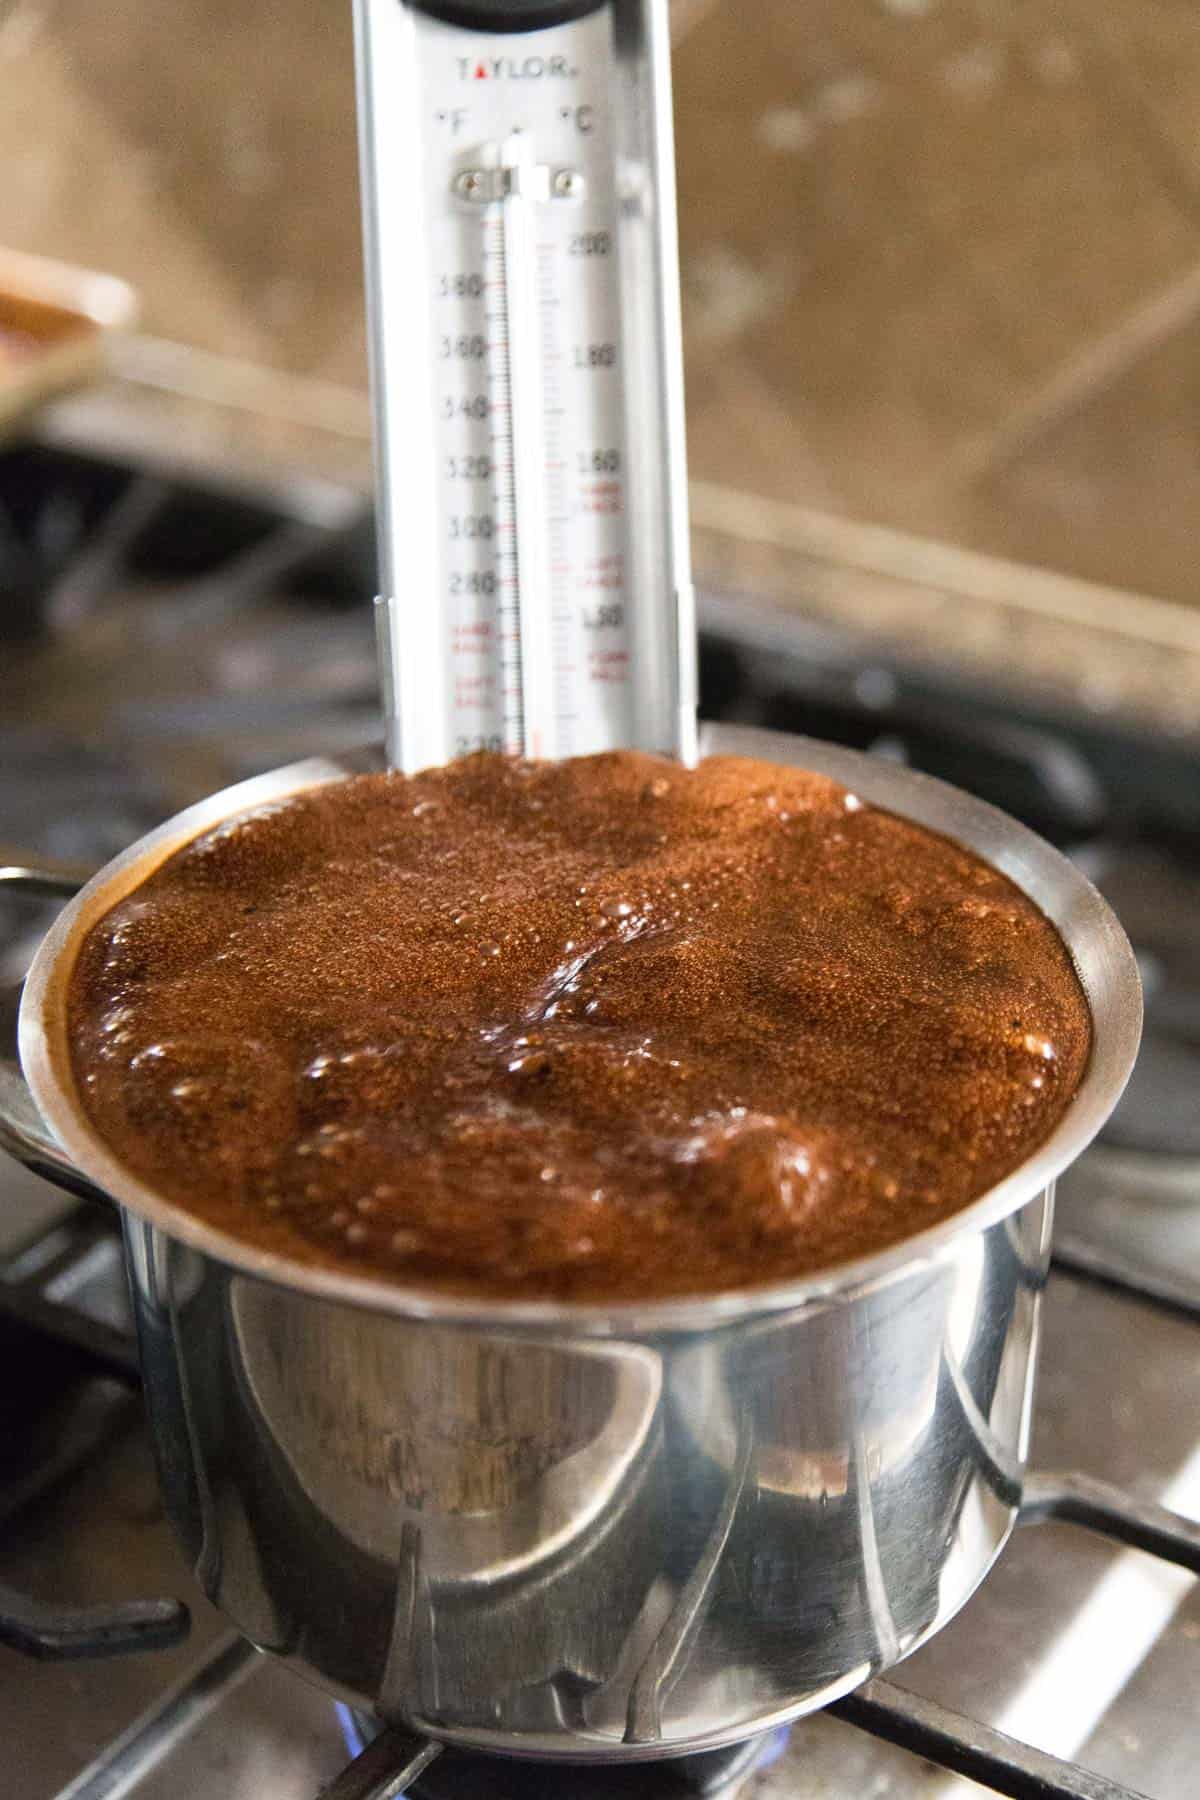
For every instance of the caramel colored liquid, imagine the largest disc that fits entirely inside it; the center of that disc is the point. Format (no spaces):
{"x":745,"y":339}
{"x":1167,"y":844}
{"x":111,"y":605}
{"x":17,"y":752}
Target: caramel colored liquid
{"x":598,"y":1029}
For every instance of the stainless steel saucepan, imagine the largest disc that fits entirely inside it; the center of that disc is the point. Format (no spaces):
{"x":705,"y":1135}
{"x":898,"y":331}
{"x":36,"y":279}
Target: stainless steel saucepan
{"x":602,"y":1531}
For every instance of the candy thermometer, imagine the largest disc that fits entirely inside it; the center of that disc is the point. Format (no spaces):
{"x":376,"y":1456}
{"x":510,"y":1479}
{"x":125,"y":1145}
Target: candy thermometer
{"x":523,"y":311}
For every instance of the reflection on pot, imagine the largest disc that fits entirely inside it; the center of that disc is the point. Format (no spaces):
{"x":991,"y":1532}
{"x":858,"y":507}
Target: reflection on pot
{"x":889,"y":1440}
{"x":623,"y":1541}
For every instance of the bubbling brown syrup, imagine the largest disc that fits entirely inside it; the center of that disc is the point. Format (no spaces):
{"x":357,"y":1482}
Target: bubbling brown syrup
{"x":600,"y":1029}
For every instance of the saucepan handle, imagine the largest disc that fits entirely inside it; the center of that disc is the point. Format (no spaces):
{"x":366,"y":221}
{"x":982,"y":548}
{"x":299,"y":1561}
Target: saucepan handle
{"x":58,"y":1632}
{"x":44,"y":878}
{"x":23,"y":1131}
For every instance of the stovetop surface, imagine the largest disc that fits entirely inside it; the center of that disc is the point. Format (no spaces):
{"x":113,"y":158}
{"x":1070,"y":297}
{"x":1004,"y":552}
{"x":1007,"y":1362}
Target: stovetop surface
{"x":157,"y":641}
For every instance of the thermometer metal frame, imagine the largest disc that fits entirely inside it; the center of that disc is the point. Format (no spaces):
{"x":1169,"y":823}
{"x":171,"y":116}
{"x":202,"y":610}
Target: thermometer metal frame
{"x":422,"y":83}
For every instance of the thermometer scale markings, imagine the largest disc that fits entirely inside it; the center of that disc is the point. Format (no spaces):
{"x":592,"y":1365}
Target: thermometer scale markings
{"x":551,"y":665}
{"x":558,"y":547}
{"x":508,"y":619}
{"x":523,"y":182}
{"x":533,"y":562}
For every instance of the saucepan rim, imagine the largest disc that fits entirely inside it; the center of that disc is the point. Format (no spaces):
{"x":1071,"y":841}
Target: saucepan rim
{"x":1096,"y":941}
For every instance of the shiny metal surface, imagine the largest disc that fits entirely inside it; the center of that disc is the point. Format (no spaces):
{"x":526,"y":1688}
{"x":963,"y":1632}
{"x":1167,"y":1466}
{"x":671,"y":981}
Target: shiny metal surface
{"x":603,"y":1547}
{"x":1055,"y":1649}
{"x":600,"y":1532}
{"x":660,"y":547}
{"x":636,"y":291}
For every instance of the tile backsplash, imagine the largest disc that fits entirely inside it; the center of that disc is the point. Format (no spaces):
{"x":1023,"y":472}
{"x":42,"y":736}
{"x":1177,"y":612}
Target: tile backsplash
{"x":941,"y":257}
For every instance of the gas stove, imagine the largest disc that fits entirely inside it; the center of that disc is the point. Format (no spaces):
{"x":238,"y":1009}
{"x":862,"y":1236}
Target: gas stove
{"x":162,"y":637}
